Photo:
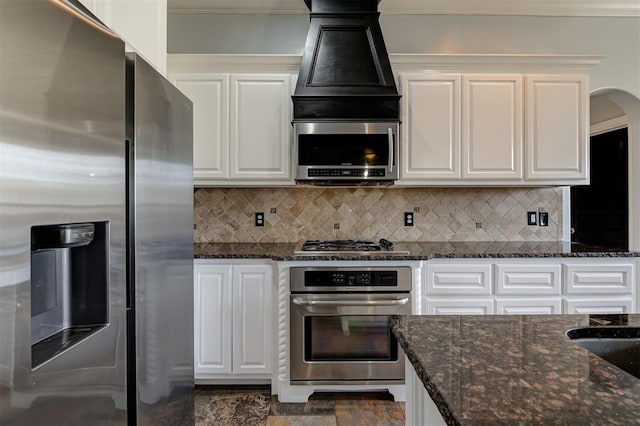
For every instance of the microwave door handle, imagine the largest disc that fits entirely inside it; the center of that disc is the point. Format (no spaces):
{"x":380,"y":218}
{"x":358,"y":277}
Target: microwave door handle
{"x":391,"y":150}
{"x":390,"y":302}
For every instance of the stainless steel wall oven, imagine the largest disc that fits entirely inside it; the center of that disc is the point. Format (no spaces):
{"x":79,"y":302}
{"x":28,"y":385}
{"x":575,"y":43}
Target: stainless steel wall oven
{"x":340,"y":324}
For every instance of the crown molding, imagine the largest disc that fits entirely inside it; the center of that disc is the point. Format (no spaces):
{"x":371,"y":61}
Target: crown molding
{"x":617,"y":8}
{"x":491,"y":62}
{"x":205,"y":63}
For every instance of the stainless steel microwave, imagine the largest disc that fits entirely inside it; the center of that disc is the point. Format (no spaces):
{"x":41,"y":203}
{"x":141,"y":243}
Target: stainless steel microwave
{"x":346,"y":152}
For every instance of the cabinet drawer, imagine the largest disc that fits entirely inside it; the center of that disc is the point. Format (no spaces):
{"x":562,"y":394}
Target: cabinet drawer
{"x":528,"y":306}
{"x":605,"y":278}
{"x":459,"y":306}
{"x":528,"y":279}
{"x":458,"y":279}
{"x":598,"y":306}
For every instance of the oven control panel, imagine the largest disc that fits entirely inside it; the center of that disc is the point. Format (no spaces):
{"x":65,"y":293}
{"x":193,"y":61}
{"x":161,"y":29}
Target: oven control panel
{"x":347,"y":279}
{"x":350,"y":278}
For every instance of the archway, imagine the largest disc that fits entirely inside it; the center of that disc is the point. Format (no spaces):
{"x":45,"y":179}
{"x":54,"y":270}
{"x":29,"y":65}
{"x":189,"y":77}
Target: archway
{"x":630,"y":105}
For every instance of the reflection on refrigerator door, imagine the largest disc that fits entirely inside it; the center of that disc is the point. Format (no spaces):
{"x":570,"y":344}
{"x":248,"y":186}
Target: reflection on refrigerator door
{"x":72,"y":217}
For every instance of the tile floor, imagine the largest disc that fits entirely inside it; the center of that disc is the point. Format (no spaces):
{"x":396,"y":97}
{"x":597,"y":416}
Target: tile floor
{"x":254,"y":405}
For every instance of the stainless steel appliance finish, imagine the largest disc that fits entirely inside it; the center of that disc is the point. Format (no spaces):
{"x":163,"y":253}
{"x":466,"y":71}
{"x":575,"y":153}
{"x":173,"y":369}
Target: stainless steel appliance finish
{"x":62,"y":106}
{"x":340,"y":324}
{"x":64,"y":169}
{"x":160,"y":321}
{"x":346,"y":152}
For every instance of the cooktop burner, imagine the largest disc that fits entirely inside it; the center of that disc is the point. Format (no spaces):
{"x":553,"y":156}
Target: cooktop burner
{"x":351,"y":247}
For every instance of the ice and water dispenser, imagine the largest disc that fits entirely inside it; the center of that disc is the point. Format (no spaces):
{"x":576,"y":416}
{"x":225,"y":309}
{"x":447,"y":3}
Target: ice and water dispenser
{"x":69,"y":286}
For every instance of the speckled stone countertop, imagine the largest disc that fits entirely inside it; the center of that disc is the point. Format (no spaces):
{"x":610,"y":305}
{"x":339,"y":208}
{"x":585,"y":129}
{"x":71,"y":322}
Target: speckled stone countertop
{"x":518,"y":370}
{"x":418,"y":251}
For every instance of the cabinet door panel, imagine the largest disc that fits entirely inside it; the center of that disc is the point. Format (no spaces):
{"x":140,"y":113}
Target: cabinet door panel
{"x":260,"y":126}
{"x":598,"y":306}
{"x":492,"y":127}
{"x":210,"y":97}
{"x":439,"y":306}
{"x":602,"y":279}
{"x":518,"y":279}
{"x":252,"y":320}
{"x":212,"y":320}
{"x":528,"y":306}
{"x":430,"y":146}
{"x":557,"y":120}
{"x":458,"y":279}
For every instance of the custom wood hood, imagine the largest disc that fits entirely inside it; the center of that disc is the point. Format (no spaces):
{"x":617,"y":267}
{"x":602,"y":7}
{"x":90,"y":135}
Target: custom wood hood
{"x":345,"y":72}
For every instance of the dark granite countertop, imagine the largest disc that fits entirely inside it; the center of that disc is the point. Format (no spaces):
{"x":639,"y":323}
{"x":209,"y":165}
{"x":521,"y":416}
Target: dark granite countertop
{"x":518,"y":370}
{"x":418,"y":251}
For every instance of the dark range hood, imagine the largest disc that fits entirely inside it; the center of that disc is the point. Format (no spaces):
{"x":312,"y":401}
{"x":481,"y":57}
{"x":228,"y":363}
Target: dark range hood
{"x":345,"y":73}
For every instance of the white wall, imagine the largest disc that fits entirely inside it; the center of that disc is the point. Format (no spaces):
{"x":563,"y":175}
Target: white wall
{"x":617,"y":39}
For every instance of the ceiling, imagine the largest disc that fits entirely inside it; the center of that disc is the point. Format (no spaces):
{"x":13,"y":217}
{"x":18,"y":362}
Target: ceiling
{"x":470,"y":7}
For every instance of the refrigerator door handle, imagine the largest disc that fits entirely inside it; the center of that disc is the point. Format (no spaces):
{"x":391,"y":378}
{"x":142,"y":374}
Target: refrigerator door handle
{"x":130,"y":220}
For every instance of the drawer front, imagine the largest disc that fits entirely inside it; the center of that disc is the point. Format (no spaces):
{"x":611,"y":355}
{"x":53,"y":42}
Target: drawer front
{"x":598,"y":279}
{"x":528,"y":279}
{"x":459,"y":307}
{"x":598,"y":306}
{"x":528,"y":306}
{"x":459,"y":279}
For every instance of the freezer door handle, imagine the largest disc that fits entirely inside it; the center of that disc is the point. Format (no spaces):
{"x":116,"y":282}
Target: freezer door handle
{"x":130,"y":263}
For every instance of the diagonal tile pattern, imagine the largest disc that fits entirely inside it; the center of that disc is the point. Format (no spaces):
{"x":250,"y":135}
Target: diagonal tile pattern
{"x":226,"y":215}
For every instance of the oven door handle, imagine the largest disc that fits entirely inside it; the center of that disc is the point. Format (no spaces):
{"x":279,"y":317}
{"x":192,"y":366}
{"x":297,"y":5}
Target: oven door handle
{"x":319,"y":302}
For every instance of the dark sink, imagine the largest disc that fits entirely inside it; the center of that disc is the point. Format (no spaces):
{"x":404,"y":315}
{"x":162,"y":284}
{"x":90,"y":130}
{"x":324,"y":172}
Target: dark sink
{"x":618,"y":345}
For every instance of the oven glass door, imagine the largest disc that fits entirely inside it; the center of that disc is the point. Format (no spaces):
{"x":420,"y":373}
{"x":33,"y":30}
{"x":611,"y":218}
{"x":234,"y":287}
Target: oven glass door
{"x":346,"y":338}
{"x":349,"y":338}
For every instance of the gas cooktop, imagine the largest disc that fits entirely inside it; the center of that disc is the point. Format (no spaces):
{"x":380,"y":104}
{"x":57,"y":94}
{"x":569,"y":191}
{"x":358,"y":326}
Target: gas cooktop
{"x":347,"y":247}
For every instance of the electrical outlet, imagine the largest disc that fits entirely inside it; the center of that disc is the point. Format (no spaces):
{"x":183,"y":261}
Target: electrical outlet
{"x":532,"y":218}
{"x":259,"y":219}
{"x":408,"y":218}
{"x":544,"y":218}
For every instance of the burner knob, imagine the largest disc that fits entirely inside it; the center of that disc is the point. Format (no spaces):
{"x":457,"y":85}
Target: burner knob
{"x":386,"y":243}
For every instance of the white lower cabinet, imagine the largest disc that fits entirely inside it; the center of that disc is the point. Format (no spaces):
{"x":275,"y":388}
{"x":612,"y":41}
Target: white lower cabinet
{"x":529,"y":286}
{"x":232,"y":316}
{"x":528,"y":306}
{"x":459,"y":306}
{"x":598,"y":305}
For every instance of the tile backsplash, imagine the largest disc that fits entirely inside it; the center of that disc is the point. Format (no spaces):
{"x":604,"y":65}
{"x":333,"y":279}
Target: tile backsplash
{"x":226,"y":215}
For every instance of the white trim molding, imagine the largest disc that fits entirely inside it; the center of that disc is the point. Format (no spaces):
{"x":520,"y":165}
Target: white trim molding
{"x":435,"y":7}
{"x":609,"y":125}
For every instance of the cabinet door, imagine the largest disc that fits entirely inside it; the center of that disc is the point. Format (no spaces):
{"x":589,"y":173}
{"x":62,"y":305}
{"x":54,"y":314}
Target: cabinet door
{"x":458,"y":278}
{"x":212,"y":320}
{"x":492,"y":127}
{"x":557,"y":120}
{"x":603,"y":278}
{"x":252,"y":319}
{"x":453,"y":306}
{"x":528,"y":306}
{"x":260,"y":133}
{"x":430,"y":136}
{"x":142,"y":24}
{"x":599,"y":305}
{"x":528,"y":278}
{"x":210,"y":96}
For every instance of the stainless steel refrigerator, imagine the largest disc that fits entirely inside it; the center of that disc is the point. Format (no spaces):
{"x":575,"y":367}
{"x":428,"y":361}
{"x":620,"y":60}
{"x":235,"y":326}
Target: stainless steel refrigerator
{"x":96,"y":226}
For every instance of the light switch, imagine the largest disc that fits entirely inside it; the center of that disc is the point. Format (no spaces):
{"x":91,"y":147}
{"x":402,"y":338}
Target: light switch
{"x":532,"y":218}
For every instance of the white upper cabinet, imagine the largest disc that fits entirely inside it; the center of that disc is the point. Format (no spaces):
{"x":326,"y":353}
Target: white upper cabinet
{"x":430,"y":135}
{"x":557,"y":120}
{"x":209,"y":94}
{"x":492,"y":127}
{"x":260,"y":126}
{"x":489,"y":129}
{"x":142,"y":24}
{"x":241,"y":127}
